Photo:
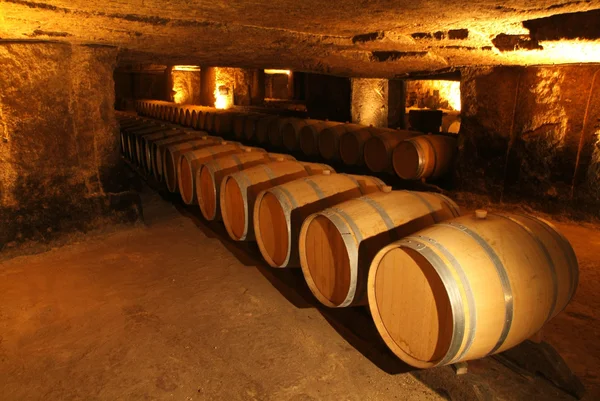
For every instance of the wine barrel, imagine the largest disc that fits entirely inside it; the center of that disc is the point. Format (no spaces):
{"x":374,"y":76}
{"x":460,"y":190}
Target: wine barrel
{"x":274,"y":131}
{"x":134,"y":144}
{"x":352,"y":144}
{"x":223,"y":123}
{"x":309,"y":136}
{"x":379,"y":148}
{"x":188,"y":118}
{"x":190,"y":162}
{"x":211,"y":174}
{"x":280,"y":211}
{"x":181,"y":118}
{"x":338,"y":244}
{"x":156,"y":149}
{"x":424,"y":156}
{"x":262,"y":128}
{"x":290,"y":132}
{"x":172,"y":154}
{"x":151,"y":146}
{"x":141,"y":142}
{"x":209,"y":120}
{"x":329,"y":139}
{"x":239,"y":121}
{"x":239,"y":191}
{"x":470,"y":287}
{"x":194,"y":120}
{"x":250,"y":125}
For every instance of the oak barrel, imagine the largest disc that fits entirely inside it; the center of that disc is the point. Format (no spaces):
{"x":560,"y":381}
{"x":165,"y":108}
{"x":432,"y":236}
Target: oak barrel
{"x":239,"y":191}
{"x":470,"y":287}
{"x":189,"y":163}
{"x":211,"y":174}
{"x":274,"y":131}
{"x":172,"y":154}
{"x":329,"y":139}
{"x":261,"y":133}
{"x":379,"y":148}
{"x":352,"y":144}
{"x":280,"y":211}
{"x":309,"y":136}
{"x":290,"y":132}
{"x":158,"y":149}
{"x":424,"y":156}
{"x":338,"y":244}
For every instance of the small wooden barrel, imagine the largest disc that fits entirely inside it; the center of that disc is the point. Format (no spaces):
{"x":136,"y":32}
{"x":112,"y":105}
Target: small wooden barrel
{"x":194,"y":121}
{"x":338,"y":244}
{"x":172,"y":154}
{"x":239,"y":121}
{"x":309,"y":136}
{"x":470,"y":287}
{"x":424,"y":156}
{"x":209,"y":120}
{"x":352,"y":144}
{"x":181,"y":115}
{"x":379,"y":148}
{"x":262,"y":128}
{"x":280,"y":211}
{"x":329,"y":139}
{"x":250,"y":123}
{"x":239,"y":191}
{"x":290,"y":132}
{"x":211,"y":174}
{"x":189,"y":163}
{"x":157,"y":149}
{"x":152,"y":145}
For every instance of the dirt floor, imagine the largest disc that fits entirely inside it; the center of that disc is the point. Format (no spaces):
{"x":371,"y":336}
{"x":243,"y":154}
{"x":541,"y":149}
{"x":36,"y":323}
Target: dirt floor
{"x":171,"y":309}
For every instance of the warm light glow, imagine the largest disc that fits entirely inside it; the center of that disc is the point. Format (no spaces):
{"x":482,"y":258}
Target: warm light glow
{"x":272,"y":71}
{"x":223,"y":96}
{"x":556,"y":52}
{"x":186,"y":68}
{"x":436,"y":94}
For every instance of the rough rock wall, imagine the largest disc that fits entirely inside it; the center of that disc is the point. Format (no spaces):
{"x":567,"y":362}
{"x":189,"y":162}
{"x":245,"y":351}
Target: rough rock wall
{"x":328,"y":97}
{"x":370,"y":101}
{"x":531,"y":132}
{"x":186,"y":87}
{"x":59,"y":157}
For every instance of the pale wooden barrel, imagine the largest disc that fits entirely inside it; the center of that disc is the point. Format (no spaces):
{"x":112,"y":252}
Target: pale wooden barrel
{"x":329,"y":139}
{"x":309,"y":136}
{"x":290,"y":132}
{"x":470,"y":287}
{"x":261,"y":133}
{"x":211,"y":174}
{"x":352,"y":144}
{"x":239,"y":191}
{"x":338,"y":244}
{"x":152,"y":145}
{"x":425,"y":156}
{"x":158,"y":148}
{"x":190,"y":162}
{"x":379,"y":148}
{"x":172,"y":154}
{"x":280,"y":211}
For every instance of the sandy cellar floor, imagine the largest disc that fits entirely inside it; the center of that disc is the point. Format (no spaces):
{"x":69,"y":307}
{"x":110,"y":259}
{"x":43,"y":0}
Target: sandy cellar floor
{"x":170,"y":310}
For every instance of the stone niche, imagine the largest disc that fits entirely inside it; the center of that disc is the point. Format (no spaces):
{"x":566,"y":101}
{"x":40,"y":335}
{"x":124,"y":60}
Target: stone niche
{"x":60,"y":167}
{"x":533,"y":133}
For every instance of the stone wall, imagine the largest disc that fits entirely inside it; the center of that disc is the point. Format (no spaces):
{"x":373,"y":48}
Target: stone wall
{"x":185,"y":87}
{"x":532,"y":132}
{"x":60,"y":167}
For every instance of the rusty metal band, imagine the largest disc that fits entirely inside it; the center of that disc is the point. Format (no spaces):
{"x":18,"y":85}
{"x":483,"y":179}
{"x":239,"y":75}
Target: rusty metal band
{"x":549,"y":260}
{"x":453,"y":292}
{"x":502,"y":275}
